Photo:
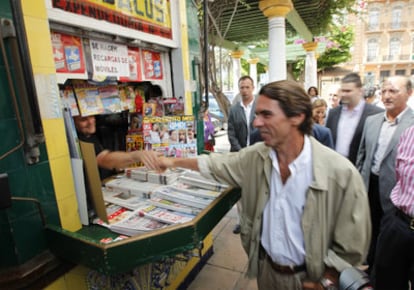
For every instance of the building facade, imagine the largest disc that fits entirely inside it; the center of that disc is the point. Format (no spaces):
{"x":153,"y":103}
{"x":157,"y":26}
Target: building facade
{"x":384,"y":41}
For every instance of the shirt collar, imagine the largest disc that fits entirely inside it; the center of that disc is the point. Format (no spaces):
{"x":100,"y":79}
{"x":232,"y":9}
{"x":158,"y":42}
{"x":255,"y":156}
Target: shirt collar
{"x":398,"y":119}
{"x":301,"y":160}
{"x":249,"y":105}
{"x":357,"y":108}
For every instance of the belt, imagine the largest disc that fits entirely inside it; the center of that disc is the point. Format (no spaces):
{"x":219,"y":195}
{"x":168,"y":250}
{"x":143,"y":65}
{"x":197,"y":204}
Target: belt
{"x":406,"y":218}
{"x":285,"y":269}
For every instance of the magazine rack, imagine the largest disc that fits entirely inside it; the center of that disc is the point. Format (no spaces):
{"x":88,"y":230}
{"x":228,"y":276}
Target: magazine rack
{"x":84,"y":247}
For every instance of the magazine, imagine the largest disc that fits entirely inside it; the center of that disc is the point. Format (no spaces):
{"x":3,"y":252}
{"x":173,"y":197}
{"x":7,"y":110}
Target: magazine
{"x":88,"y":100}
{"x":110,"y":99}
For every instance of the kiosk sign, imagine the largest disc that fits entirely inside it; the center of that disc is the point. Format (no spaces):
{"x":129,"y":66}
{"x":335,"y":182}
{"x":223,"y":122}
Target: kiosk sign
{"x":109,"y":59}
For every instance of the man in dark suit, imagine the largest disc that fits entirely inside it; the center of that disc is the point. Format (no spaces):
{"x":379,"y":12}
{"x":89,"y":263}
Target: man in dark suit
{"x":347,"y":120}
{"x":378,"y":149}
{"x":240,"y":123}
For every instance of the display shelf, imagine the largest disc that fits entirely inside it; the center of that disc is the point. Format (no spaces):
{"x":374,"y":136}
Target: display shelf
{"x":84,"y":247}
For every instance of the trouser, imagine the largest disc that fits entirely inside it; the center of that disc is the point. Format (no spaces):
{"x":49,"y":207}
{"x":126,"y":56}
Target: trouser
{"x":376,"y":216}
{"x":394,"y":260}
{"x":269,"y":278}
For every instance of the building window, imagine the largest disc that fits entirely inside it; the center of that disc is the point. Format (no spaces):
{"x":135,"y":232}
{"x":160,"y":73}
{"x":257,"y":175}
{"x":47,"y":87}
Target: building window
{"x":373,"y":19}
{"x":372,"y":49}
{"x":394,"y":48}
{"x":400,"y":72}
{"x":396,"y":17}
{"x":384,"y":74}
{"x":369,"y":79}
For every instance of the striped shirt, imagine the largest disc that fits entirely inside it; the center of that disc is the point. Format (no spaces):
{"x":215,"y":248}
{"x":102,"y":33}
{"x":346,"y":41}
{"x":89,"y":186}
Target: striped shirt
{"x":402,"y":195}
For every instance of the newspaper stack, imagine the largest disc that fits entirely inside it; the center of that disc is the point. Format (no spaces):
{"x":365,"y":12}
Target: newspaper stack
{"x":124,"y":199}
{"x":170,"y":193}
{"x":194,"y":190}
{"x":143,"y":174}
{"x":138,"y":173}
{"x":135,"y":224}
{"x":164,"y":215}
{"x":167,"y":177}
{"x":196,"y":179}
{"x":115,"y":214}
{"x":131,"y":186}
{"x":175,"y":206}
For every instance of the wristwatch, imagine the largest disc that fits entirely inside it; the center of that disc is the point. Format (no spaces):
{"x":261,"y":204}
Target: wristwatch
{"x":328,"y":284}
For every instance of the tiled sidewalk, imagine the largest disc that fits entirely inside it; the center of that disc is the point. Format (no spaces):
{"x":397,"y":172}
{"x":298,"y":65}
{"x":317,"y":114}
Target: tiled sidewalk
{"x":226,"y":267}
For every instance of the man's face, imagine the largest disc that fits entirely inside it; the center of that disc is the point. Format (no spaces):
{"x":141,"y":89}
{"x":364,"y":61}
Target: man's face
{"x":246,"y":88}
{"x":174,"y":135}
{"x":274,"y":126}
{"x":350,"y":94}
{"x":85,"y":125}
{"x":394,"y":95}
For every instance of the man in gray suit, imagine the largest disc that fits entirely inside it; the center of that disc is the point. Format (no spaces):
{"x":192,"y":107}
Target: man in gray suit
{"x":378,"y":148}
{"x":240,"y":123}
{"x":347,"y":120}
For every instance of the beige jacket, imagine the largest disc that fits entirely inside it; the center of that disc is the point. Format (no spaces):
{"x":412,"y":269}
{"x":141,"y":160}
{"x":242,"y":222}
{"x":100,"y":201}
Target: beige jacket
{"x":335,"y":222}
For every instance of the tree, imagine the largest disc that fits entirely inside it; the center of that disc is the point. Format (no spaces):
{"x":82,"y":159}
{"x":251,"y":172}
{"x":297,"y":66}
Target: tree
{"x":338,"y":45}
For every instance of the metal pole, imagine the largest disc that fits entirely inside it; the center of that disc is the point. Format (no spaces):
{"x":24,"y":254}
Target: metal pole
{"x":205,"y":3}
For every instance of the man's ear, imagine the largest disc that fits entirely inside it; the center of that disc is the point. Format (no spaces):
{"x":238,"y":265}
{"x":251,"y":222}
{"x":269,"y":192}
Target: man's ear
{"x":298,"y":119}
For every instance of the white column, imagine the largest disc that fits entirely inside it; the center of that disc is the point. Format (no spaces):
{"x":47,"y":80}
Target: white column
{"x":253,"y":72}
{"x":311,"y":66}
{"x":275,"y":11}
{"x":277,"y":49}
{"x":236,"y":55}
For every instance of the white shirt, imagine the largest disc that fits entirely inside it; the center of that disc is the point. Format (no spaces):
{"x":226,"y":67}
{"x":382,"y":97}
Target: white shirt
{"x":348,"y":121}
{"x":247,"y":112}
{"x":282,"y":235}
{"x":387,"y":131}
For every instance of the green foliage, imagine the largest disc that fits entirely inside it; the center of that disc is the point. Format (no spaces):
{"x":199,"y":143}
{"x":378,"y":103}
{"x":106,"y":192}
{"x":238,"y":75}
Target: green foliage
{"x":339,"y":42}
{"x":342,"y":38}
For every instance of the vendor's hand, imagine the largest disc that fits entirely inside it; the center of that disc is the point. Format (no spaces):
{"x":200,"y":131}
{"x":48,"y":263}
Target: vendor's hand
{"x":149,"y":158}
{"x":165,"y":162}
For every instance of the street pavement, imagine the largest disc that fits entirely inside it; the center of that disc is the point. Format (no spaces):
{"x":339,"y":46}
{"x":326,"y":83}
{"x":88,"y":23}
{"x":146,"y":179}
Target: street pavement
{"x":222,"y":142}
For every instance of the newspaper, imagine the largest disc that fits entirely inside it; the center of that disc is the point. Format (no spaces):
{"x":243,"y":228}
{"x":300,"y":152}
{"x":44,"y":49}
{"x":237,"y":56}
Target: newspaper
{"x":165,"y":215}
{"x":194,"y":190}
{"x":169,"y":193}
{"x":196,"y":179}
{"x":124,"y":199}
{"x":131,"y":186}
{"x":175,"y":206}
{"x":135,"y":224}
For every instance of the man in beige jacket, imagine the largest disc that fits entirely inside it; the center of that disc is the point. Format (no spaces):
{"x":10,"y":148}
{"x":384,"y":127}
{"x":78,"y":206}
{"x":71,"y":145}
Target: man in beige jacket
{"x":305,"y":211}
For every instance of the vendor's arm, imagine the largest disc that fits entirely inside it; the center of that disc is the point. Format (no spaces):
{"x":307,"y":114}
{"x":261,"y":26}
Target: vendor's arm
{"x":164,"y":163}
{"x":119,"y":159}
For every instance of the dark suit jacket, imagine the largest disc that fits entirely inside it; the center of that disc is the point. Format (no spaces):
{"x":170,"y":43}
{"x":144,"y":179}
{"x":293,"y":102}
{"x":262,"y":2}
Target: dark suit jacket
{"x":237,"y":131}
{"x":321,"y":133}
{"x":332,"y":123}
{"x":368,"y":147}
